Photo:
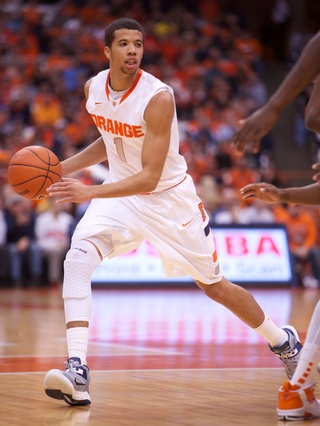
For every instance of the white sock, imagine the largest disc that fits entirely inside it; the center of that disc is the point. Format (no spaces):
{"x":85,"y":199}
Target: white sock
{"x":77,"y":342}
{"x":310,"y":353}
{"x":274,"y":335}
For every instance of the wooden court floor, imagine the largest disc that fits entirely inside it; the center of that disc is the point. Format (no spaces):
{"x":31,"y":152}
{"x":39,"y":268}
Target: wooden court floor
{"x":158,"y":357}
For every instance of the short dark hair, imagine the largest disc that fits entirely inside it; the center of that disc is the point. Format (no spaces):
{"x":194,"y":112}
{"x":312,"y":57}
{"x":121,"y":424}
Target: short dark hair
{"x":119,"y":24}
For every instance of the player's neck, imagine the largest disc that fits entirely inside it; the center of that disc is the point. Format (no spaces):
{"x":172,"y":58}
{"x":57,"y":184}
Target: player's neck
{"x":120,"y":84}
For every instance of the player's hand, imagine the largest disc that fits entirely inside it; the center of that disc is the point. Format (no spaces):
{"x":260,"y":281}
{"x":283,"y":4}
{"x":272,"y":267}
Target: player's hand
{"x":261,"y":191}
{"x":316,"y":176}
{"x":254,"y":128}
{"x":70,"y":190}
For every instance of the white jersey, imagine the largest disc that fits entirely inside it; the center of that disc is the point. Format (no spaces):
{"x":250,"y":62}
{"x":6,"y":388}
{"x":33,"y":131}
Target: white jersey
{"x":122,"y":126}
{"x":172,"y":218}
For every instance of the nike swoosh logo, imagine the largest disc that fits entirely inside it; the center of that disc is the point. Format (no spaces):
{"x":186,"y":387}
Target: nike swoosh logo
{"x":98,"y":103}
{"x":78,"y":383}
{"x":187,"y":223}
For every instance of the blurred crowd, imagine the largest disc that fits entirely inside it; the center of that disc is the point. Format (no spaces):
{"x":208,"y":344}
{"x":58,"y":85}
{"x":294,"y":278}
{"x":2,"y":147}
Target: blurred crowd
{"x":207,"y":55}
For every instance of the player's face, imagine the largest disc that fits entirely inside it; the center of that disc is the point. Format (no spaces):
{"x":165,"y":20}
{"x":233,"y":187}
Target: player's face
{"x":126,"y":51}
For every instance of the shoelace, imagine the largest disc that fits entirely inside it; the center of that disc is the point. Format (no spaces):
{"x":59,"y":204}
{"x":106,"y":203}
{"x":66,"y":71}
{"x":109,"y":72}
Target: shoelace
{"x":289,"y":353}
{"x":292,"y":362}
{"x":72,"y":365}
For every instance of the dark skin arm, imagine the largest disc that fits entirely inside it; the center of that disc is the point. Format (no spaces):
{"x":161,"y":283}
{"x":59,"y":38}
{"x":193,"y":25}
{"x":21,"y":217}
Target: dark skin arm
{"x":307,"y":195}
{"x":304,"y":72}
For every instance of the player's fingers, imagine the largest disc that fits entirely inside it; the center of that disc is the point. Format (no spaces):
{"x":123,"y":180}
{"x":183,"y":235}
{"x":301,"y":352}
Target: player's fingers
{"x":68,"y":179}
{"x":240,"y":145}
{"x":64,"y":200}
{"x":253,"y":186}
{"x":63,"y":184}
{"x":248,"y":190}
{"x":245,"y":190}
{"x":316,"y":177}
{"x":246,"y":138}
{"x":316,"y":166}
{"x":255,"y":144}
{"x":248,"y":194}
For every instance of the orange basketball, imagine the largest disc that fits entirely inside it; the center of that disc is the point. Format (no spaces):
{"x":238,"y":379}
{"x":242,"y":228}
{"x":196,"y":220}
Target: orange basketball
{"x":32,"y":170}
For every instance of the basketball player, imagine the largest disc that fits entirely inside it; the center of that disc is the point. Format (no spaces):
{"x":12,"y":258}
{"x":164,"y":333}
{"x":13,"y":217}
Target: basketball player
{"x":296,"y":399}
{"x":147,"y":196}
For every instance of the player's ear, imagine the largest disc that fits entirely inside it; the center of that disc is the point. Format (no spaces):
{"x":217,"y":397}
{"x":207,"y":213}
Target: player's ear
{"x":107,"y":51}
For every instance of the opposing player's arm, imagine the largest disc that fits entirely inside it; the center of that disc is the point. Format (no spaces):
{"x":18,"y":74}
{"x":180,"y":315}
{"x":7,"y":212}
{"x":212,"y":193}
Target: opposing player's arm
{"x":301,"y":75}
{"x":304,"y":72}
{"x":307,"y":195}
{"x":312,"y":113}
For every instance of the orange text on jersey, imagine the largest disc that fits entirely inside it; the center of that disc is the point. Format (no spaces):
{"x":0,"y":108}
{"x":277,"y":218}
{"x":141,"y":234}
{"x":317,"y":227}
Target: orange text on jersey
{"x":117,"y":127}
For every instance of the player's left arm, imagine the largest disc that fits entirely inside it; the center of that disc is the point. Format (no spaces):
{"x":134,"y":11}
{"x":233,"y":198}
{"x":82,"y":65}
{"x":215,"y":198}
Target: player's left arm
{"x":158,"y":117}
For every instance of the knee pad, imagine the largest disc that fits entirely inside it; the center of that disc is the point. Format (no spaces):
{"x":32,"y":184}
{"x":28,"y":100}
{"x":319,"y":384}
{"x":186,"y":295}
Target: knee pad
{"x":81,"y":260}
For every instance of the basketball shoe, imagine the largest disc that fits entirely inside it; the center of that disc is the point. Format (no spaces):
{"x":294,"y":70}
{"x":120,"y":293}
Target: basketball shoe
{"x":295,"y":403}
{"x":71,"y":385}
{"x":289,"y":352}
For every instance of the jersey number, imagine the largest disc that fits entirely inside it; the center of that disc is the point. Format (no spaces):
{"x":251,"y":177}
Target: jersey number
{"x":119,"y":147}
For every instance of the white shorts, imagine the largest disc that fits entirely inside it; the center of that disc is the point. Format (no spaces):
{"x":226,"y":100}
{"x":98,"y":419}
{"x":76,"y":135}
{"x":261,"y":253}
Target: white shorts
{"x":173,"y":221}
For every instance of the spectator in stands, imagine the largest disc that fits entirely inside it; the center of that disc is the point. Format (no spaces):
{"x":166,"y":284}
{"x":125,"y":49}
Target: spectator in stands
{"x":256,"y":212}
{"x":233,"y":210}
{"x":3,"y":239}
{"x":302,"y":234}
{"x":241,"y":173}
{"x":25,"y":253}
{"x":229,"y":209}
{"x":52,"y":231}
{"x":59,"y":51}
{"x":208,"y":191}
{"x":46,"y":108}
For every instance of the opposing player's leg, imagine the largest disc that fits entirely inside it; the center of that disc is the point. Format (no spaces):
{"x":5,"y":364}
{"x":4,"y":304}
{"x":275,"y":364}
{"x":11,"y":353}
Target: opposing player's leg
{"x":296,"y":400}
{"x":296,"y":403}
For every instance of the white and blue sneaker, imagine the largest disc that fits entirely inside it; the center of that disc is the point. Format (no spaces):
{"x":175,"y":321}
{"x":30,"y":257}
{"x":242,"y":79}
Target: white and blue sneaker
{"x":71,"y":385}
{"x":289,"y":352}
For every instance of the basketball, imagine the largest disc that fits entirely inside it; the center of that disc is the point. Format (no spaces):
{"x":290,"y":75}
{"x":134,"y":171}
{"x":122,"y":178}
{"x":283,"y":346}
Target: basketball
{"x":32,"y":170}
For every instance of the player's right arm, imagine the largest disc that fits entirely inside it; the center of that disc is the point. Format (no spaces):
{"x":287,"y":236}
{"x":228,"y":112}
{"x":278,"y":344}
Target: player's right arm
{"x":307,"y":195}
{"x":95,"y":153}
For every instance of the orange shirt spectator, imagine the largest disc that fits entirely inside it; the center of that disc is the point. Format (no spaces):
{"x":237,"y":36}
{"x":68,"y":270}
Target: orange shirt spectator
{"x":242,"y":173}
{"x":301,"y":226}
{"x":46,"y":109}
